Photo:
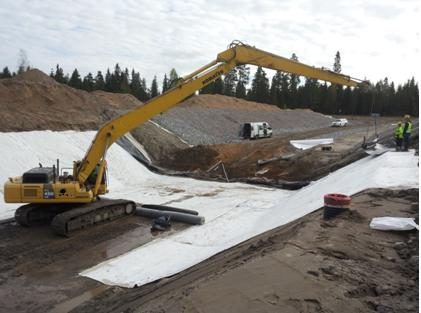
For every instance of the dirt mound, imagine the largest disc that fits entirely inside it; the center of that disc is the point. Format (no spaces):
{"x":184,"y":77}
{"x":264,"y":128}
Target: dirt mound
{"x":215,"y":119}
{"x":34,"y":101}
{"x":35,"y":76}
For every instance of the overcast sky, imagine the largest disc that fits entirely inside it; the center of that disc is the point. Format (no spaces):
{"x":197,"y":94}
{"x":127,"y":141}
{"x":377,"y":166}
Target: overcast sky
{"x":376,"y":38}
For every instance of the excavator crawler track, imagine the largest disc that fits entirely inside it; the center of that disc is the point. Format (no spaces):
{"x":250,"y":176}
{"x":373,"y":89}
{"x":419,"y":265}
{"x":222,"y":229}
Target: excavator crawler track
{"x":35,"y":214}
{"x":90,"y":214}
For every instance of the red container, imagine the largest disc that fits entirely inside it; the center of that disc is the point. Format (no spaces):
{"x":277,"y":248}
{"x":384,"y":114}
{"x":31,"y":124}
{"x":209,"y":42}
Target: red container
{"x":337,"y":199}
{"x":335,"y":203}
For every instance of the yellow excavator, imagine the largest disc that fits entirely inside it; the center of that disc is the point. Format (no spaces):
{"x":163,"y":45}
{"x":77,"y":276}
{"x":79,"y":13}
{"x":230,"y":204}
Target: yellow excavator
{"x":71,"y":201}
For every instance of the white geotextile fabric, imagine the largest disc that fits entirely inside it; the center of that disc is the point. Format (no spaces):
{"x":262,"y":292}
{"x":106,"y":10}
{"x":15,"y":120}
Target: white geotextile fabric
{"x":310,"y":143}
{"x":393,"y":223}
{"x":127,"y":177}
{"x":234,"y":212}
{"x":165,"y":257}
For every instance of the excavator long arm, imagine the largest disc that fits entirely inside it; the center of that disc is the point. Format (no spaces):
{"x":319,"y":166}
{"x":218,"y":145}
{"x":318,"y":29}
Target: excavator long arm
{"x":236,"y":55}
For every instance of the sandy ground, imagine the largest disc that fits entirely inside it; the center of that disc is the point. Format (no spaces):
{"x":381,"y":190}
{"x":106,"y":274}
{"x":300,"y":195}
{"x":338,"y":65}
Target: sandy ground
{"x":310,"y":265}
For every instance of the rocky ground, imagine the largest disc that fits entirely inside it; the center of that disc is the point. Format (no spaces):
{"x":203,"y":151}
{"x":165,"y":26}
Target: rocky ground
{"x":216,"y":119}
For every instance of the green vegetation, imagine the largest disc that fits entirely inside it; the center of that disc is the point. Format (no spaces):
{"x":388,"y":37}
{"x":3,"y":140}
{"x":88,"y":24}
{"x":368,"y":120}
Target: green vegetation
{"x":287,"y":91}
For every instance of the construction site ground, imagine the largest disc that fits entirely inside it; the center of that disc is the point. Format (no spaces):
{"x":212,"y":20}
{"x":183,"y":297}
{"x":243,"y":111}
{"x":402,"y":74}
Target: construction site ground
{"x":309,"y":265}
{"x":241,"y":159}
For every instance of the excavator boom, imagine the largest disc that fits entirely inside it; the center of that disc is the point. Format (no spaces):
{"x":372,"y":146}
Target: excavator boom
{"x":237,"y":54}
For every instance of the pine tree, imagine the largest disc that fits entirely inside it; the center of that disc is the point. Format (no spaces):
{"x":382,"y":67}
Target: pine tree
{"x":88,"y":82}
{"x":135,"y":83}
{"x":165,"y":84}
{"x":143,"y":92}
{"x":308,"y":94}
{"x":293,"y":85}
{"x":75,"y":80}
{"x":124,"y":82}
{"x":218,"y":86}
{"x":6,"y":73}
{"x":154,"y":88}
{"x":173,"y":78}
{"x":99,"y":81}
{"x":243,"y":80}
{"x":115,"y":79}
{"x":346,"y":103}
{"x":260,"y":87}
{"x":59,"y":75}
{"x":108,"y":84}
{"x":284,"y":95}
{"x":230,"y":80}
{"x":275,"y":89}
{"x":208,"y":89}
{"x":337,"y":67}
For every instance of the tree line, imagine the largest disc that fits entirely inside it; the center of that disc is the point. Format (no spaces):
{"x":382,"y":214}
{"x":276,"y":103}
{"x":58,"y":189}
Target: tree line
{"x":287,"y":91}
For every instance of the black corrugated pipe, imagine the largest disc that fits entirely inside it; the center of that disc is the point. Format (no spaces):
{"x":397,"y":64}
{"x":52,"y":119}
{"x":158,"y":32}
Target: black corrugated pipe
{"x":175,"y":216}
{"x":168,"y":208}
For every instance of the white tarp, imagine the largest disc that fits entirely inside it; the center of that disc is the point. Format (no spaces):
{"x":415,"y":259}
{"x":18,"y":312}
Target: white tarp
{"x":234,"y":212}
{"x":165,"y":257}
{"x":393,"y":223}
{"x":310,"y":143}
{"x":127,"y":177}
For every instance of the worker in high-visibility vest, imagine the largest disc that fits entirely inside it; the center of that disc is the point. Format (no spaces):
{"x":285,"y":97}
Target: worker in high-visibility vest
{"x":407,"y":129}
{"x":399,"y":136}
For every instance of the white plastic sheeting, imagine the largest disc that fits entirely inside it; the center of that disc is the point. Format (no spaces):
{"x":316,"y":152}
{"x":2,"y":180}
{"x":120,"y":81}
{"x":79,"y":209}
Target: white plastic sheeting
{"x":127,"y":177}
{"x":310,"y":143}
{"x":234,"y":212}
{"x":393,"y":223}
{"x":165,"y":257}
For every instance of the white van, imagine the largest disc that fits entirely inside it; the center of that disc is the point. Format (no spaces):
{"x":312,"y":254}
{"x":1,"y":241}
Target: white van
{"x":255,"y":130}
{"x":341,"y":122}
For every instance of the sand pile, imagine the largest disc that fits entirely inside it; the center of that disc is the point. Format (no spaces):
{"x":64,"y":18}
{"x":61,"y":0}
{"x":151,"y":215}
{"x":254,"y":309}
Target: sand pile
{"x":34,"y":100}
{"x":214,"y":119}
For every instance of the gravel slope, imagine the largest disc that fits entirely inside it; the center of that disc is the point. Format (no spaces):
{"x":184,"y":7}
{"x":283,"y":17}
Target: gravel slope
{"x":213,"y":119}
